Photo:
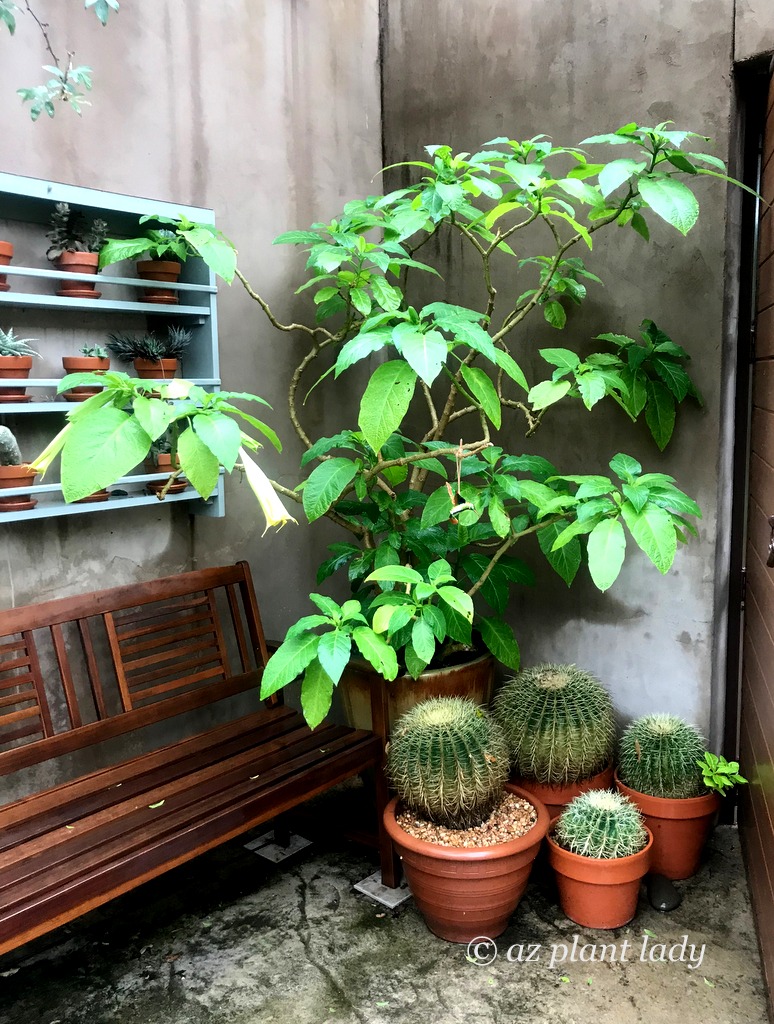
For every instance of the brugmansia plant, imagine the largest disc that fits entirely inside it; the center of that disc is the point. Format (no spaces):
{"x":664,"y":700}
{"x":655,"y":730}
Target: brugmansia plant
{"x":400,"y":482}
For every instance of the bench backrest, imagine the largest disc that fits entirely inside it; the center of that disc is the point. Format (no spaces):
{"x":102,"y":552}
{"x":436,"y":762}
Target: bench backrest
{"x":82,"y":669}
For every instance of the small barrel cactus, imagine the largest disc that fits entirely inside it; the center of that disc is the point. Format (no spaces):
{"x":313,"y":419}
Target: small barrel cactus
{"x":9,"y":449}
{"x":601,"y":824}
{"x":448,"y":761}
{"x":559,"y":723}
{"x":658,"y":756}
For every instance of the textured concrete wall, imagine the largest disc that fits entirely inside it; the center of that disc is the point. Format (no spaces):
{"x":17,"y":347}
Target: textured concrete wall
{"x":268,"y":113}
{"x":464,"y":73}
{"x":754,"y":29}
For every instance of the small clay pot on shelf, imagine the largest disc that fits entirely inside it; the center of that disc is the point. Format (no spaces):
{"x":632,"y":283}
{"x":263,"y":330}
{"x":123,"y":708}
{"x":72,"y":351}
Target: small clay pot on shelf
{"x":6,"y":255}
{"x":78,"y":263}
{"x":16,"y":476}
{"x":83,"y":364}
{"x":162,"y":271}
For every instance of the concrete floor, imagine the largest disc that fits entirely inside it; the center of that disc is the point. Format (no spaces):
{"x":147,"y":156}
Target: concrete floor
{"x":231,"y":939}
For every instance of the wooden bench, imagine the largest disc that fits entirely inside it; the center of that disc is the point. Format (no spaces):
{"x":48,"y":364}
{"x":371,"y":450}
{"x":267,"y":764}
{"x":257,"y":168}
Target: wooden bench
{"x":81,"y":670}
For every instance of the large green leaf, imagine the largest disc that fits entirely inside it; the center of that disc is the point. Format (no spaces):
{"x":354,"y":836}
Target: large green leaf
{"x":606,"y":548}
{"x":566,"y":559}
{"x":498,"y":637}
{"x":654,"y":531}
{"x":395,"y":574}
{"x":316,"y":694}
{"x":423,"y":640}
{"x":457,"y":600}
{"x":660,"y":413}
{"x":153,"y":415}
{"x":671,"y":200}
{"x":333,"y":653}
{"x":616,"y":173}
{"x":483,"y":390}
{"x":361,"y":346}
{"x":288,"y":662}
{"x":325,"y":484}
{"x":385,"y":401}
{"x":222,"y":436}
{"x":424,"y":351}
{"x":437,"y":509}
{"x":376,"y":651}
{"x":547,"y":392}
{"x":508,"y":364}
{"x":197,"y":462}
{"x":101,"y":449}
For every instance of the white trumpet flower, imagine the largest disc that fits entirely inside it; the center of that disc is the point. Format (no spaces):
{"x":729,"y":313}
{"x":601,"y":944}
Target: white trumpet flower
{"x":50,"y":452}
{"x":275,"y":512}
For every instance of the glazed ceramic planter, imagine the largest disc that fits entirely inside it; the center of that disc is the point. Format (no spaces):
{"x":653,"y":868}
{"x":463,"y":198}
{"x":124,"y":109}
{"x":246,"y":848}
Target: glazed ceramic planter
{"x":14,"y":368}
{"x":474,"y":679}
{"x":598,"y":893}
{"x":556,"y":798}
{"x":159,"y":270}
{"x":78,"y":263}
{"x":6,"y":255}
{"x":680,"y":829}
{"x":463,"y":893}
{"x":16,"y":476}
{"x":83,"y":364}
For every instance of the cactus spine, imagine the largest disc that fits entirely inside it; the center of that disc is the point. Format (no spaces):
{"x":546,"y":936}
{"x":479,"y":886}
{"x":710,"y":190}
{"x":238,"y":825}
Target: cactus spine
{"x":559,"y":723}
{"x":658,"y":756}
{"x":9,"y":449}
{"x":448,"y":761}
{"x":601,"y":824}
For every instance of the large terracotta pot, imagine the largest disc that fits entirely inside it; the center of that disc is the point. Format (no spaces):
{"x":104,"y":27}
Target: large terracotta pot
{"x":159,"y":270}
{"x":680,"y":829}
{"x":598,"y":893}
{"x":463,"y":893}
{"x":474,"y":679}
{"x":83,"y":364}
{"x":16,"y":476}
{"x":14,"y":368}
{"x":78,"y":263}
{"x":556,"y":798}
{"x":6,"y":255}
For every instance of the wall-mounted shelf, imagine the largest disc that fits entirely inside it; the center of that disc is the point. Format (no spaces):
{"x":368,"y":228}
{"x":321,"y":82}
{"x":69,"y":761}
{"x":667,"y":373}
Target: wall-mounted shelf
{"x":26,"y":205}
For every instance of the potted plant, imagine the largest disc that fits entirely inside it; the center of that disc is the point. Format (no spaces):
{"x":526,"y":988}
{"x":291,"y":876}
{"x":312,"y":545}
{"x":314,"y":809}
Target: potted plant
{"x":558,"y":721}
{"x":467,"y":837}
{"x":163,"y":458}
{"x":74,"y":248}
{"x":166,"y":248}
{"x":14,"y":473}
{"x":600,"y":850}
{"x":90,"y":359}
{"x":15,"y":364}
{"x":6,"y":255}
{"x":663,"y":768}
{"x":154,"y":357}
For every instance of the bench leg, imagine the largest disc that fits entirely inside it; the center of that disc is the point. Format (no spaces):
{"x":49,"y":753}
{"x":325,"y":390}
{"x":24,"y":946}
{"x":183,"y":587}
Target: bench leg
{"x":389,"y":861}
{"x":281,"y":831}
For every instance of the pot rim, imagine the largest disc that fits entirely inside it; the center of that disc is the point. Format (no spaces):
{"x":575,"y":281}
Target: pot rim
{"x":6,"y":248}
{"x":19,"y":362}
{"x":158,"y":264}
{"x":91,"y":360}
{"x":361,"y":666}
{"x":87,"y":258}
{"x":470,"y":854}
{"x":674,"y":808}
{"x":19,"y":472}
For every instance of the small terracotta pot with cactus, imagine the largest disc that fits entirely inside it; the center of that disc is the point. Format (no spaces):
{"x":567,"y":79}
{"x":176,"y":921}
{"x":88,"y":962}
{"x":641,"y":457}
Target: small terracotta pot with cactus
{"x":558,"y":721}
{"x":466,"y":837}
{"x":90,"y":359}
{"x":13,"y":473}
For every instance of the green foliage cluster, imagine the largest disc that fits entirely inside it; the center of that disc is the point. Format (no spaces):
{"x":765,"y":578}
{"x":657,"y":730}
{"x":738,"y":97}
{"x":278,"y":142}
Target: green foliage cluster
{"x":178,"y":240}
{"x":659,"y":755}
{"x":558,"y":721}
{"x":10,"y":345}
{"x":720,"y":775}
{"x":127,"y":347}
{"x":10,"y":455}
{"x":601,"y":824}
{"x":93,"y":351}
{"x":448,"y":761}
{"x":70,"y":232}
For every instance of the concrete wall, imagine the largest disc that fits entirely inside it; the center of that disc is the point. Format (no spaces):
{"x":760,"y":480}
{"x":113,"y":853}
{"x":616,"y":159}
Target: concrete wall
{"x":268,"y":113}
{"x":464,"y":73}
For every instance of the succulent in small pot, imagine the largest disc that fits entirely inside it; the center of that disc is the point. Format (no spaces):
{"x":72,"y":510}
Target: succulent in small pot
{"x":90,"y":359}
{"x":560,"y":728}
{"x":6,"y":255}
{"x":14,"y":473}
{"x":599,"y":849}
{"x":154,"y":357}
{"x":659,"y":769}
{"x":74,"y":248}
{"x":467,"y":838}
{"x":15,"y":364}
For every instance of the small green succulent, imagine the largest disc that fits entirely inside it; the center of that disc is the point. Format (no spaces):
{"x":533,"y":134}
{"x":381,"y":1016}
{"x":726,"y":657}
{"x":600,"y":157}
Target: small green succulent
{"x":10,"y":345}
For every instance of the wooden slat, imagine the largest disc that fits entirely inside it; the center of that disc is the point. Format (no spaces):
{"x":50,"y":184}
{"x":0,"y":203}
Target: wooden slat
{"x":92,"y":669}
{"x":66,"y":676}
{"x":18,"y":698}
{"x":157,"y":643}
{"x":21,"y":733}
{"x":7,"y":684}
{"x":9,"y":666}
{"x":239,"y":632}
{"x":115,"y":650}
{"x":178,"y":683}
{"x":166,"y":625}
{"x":178,"y":655}
{"x":764,"y":334}
{"x":221,"y":643}
{"x":40,"y":688}
{"x":763,"y":385}
{"x":19,"y":716}
{"x":12,"y":645}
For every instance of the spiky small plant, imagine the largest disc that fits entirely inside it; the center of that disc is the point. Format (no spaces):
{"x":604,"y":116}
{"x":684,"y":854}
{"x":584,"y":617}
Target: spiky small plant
{"x":127,"y":347}
{"x":659,"y":756}
{"x":601,"y":824}
{"x":93,"y":351}
{"x":558,"y":721}
{"x":10,"y":455}
{"x":448,"y":761}
{"x":10,"y":345}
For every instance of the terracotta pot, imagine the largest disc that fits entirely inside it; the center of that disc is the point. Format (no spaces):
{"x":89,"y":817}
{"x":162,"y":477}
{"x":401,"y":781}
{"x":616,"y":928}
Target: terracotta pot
{"x":6,"y":255}
{"x":598,"y":893}
{"x":78,"y":263}
{"x":162,"y":369}
{"x":164,"y":465}
{"x":159,"y":270}
{"x":83,"y":364}
{"x":102,"y":495}
{"x":14,"y":368}
{"x":556,"y":798}
{"x":474,"y":679}
{"x":463,"y":893}
{"x":680,"y":829}
{"x":16,"y":476}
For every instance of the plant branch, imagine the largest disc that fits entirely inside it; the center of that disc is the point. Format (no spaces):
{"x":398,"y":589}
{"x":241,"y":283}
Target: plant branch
{"x":505,"y":547}
{"x":311,"y":331}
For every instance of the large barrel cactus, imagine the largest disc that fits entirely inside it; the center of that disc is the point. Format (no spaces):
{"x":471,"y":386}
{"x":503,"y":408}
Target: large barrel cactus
{"x":559,"y":723}
{"x":601,"y":824}
{"x":9,"y":449}
{"x":448,"y":761}
{"x":658,"y":756}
